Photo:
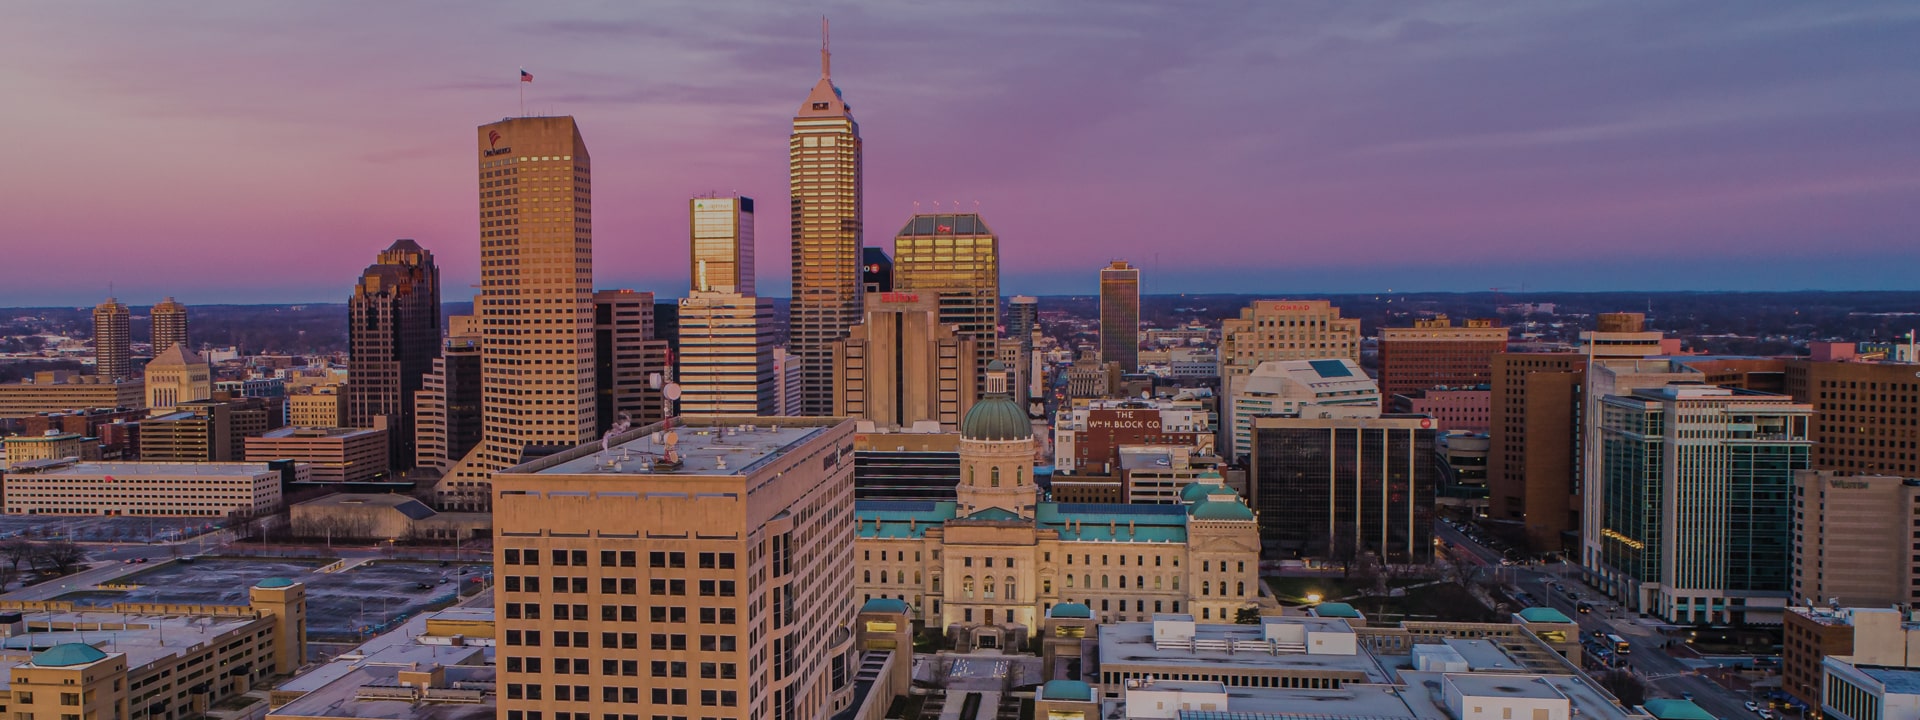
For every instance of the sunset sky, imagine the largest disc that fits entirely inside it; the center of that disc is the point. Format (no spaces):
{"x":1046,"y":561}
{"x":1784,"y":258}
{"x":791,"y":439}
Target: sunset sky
{"x":265,"y":151}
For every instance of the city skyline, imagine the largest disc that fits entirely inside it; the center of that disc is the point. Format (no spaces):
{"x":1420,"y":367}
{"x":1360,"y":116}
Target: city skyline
{"x":1775,"y":136}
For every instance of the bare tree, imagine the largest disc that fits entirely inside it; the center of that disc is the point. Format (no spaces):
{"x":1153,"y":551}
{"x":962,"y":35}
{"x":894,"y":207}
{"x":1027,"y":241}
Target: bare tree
{"x":1368,"y":575}
{"x":8,"y":574}
{"x":1624,"y":686}
{"x":62,"y":557}
{"x":1247,"y":616}
{"x":17,"y":550}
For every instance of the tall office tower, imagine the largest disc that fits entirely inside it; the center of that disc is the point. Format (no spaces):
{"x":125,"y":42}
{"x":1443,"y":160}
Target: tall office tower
{"x":175,"y":377}
{"x":725,"y":569}
{"x":1865,"y":415}
{"x":1434,"y":354}
{"x":536,"y":299}
{"x":824,"y":185}
{"x":1336,"y":487}
{"x":1532,"y":467}
{"x":726,"y":333}
{"x":393,"y":335}
{"x":876,"y":272}
{"x":112,"y":340}
{"x":1120,"y":315}
{"x":786,"y":383}
{"x":447,"y":408}
{"x":1282,"y":330}
{"x":169,"y":325}
{"x":956,"y":260}
{"x":1023,"y":319}
{"x":904,"y":366}
{"x":1699,"y":509}
{"x":1850,"y":537}
{"x":626,"y":356}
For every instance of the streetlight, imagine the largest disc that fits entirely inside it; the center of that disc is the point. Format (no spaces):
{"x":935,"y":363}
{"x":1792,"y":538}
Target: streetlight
{"x":1313,"y":598}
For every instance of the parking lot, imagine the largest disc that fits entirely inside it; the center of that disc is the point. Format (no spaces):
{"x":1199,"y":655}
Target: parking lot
{"x":103,"y":529}
{"x":341,"y":606}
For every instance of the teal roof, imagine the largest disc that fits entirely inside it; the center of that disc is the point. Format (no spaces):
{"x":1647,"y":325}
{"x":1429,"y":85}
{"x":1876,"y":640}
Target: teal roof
{"x":69,"y":655}
{"x":1101,"y":522}
{"x":274,"y":582}
{"x":1066,"y":690}
{"x":1221,"y":510}
{"x":1676,"y":710}
{"x":996,"y":417}
{"x":1071,"y":610}
{"x":885,"y":605}
{"x":901,"y":519}
{"x":1544,"y":615}
{"x":1197,"y":491}
{"x":1335,"y":610}
{"x":994,"y":513}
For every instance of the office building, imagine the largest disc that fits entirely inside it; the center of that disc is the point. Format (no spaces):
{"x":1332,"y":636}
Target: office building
{"x":1698,"y":515}
{"x":332,"y":455}
{"x":1863,"y":421}
{"x":1088,"y":377}
{"x":148,"y":489}
{"x":1463,"y":409}
{"x":1023,"y":320}
{"x":535,"y":306}
{"x":954,"y":258}
{"x":1120,"y":315}
{"x":905,"y":465}
{"x":1612,"y":376}
{"x":63,"y":390}
{"x":176,"y":377}
{"x":722,"y":256}
{"x":726,"y":579}
{"x":905,"y":365}
{"x":1087,"y":438}
{"x":1270,"y":330}
{"x":726,"y":355}
{"x":393,"y":335}
{"x":787,"y":381}
{"x":205,"y":430}
{"x":50,"y":445}
{"x":169,"y":325}
{"x":1813,"y":631}
{"x":447,"y":422}
{"x":824,"y":189}
{"x":1434,"y":353}
{"x":1339,"y":487}
{"x":628,"y":360}
{"x":132,"y":660}
{"x":877,"y":274}
{"x":989,"y":566}
{"x":112,"y":340}
{"x":321,"y":406}
{"x":1850,"y":538}
{"x":1328,"y":388}
{"x":1463,"y":470}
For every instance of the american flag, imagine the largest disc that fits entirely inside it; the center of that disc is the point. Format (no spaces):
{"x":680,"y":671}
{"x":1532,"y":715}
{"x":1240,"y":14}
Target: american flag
{"x":525,"y":76}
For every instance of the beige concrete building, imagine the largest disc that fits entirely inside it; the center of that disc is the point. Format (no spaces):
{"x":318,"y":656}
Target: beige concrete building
{"x":988,"y":567}
{"x":169,"y":325}
{"x":159,"y":662}
{"x":112,"y":340}
{"x":52,"y":445}
{"x":709,"y":566}
{"x":382,"y":517}
{"x":446,"y":421}
{"x":176,"y":376}
{"x":726,"y":355}
{"x":824,"y":184}
{"x":324,"y":406}
{"x":205,"y":431}
{"x":1850,"y":534}
{"x":1270,"y":330}
{"x":628,"y":358}
{"x":536,"y":300}
{"x":954,"y":259}
{"x":62,"y":390}
{"x":340,"y":455}
{"x":146,"y":489}
{"x":904,"y":365}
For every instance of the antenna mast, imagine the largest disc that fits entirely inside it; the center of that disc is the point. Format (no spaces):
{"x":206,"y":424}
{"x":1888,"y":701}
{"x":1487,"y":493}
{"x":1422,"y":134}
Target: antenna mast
{"x":826,"y":64}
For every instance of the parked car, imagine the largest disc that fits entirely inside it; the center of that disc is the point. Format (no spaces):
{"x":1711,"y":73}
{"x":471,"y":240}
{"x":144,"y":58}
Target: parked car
{"x":1751,"y":707}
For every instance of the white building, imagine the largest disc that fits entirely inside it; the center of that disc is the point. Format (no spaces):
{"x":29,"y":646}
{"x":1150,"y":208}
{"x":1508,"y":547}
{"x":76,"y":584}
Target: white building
{"x":1331,"y":388}
{"x":145,"y":489}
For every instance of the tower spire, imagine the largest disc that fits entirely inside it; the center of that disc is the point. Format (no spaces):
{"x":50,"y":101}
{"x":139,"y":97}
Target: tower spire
{"x":826,"y":58}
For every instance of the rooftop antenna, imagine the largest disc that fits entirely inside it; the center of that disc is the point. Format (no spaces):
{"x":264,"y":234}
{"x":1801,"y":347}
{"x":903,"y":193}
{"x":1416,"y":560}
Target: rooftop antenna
{"x":826,"y":58}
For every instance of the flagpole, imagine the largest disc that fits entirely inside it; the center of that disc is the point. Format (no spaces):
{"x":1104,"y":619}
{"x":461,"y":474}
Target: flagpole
{"x":522,"y":84}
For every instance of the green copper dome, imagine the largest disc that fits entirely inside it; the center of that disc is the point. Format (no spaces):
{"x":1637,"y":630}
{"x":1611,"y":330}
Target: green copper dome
{"x":996,"y":418}
{"x":69,"y":655}
{"x":1198,"y":491}
{"x":1221,"y":510}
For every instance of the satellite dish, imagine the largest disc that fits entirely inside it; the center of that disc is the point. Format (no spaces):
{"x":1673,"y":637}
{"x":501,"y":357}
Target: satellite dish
{"x":672,"y":439}
{"x":671,"y":392}
{"x":654,"y":380}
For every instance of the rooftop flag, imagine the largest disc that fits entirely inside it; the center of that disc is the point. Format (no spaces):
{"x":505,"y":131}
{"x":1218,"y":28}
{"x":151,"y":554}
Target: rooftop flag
{"x":525,"y":76}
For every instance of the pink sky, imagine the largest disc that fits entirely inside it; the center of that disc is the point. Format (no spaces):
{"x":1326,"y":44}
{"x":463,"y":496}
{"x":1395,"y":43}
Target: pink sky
{"x":256,"y":152}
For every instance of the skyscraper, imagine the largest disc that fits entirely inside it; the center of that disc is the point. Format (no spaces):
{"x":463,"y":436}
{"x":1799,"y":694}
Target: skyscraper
{"x":536,"y":299}
{"x":627,"y":354}
{"x":726,"y":332}
{"x":904,"y":366}
{"x":112,"y":340}
{"x":1120,"y":315}
{"x":877,"y":275}
{"x":1433,"y":353}
{"x":393,"y":335}
{"x":169,"y":325}
{"x":446,"y":422}
{"x":955,"y":260}
{"x":1338,"y":487}
{"x":1023,"y":318}
{"x":824,"y":186}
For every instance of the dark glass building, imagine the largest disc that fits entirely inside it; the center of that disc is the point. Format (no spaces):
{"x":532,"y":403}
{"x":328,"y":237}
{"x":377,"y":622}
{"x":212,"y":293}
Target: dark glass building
{"x":1336,"y":488}
{"x":393,"y":335}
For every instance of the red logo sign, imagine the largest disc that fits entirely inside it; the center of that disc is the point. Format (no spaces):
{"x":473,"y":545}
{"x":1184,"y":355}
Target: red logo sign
{"x":893,"y":297}
{"x":493,"y":138}
{"x":943,"y":228}
{"x":1426,"y":423}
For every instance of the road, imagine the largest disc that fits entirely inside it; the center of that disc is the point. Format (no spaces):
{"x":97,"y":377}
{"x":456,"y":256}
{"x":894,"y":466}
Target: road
{"x":1666,"y":676}
{"x":109,"y":562}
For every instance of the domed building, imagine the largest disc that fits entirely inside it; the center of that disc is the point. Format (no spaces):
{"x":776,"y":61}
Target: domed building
{"x":988,"y":566}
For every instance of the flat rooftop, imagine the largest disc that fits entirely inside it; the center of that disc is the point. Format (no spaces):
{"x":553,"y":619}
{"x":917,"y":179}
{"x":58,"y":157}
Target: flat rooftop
{"x":1904,"y":681}
{"x":1132,"y":644}
{"x":143,"y":638}
{"x":313,"y":433}
{"x":1517,"y":686}
{"x":703,"y":450}
{"x":374,"y":691}
{"x":88,"y":469}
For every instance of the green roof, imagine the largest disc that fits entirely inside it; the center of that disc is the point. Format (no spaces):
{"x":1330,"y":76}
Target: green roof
{"x":1066,"y":690}
{"x":1544,"y":615}
{"x":69,"y":655}
{"x":1221,"y":510}
{"x":1676,"y":710}
{"x":1197,"y":491}
{"x":885,"y":605}
{"x":996,"y":417}
{"x":274,"y":582}
{"x":1101,"y":522}
{"x":901,"y":519}
{"x":1335,"y":610}
{"x":1071,"y":610}
{"x":995,"y":514}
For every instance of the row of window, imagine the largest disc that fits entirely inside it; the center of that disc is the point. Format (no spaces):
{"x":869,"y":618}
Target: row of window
{"x":659,"y":696}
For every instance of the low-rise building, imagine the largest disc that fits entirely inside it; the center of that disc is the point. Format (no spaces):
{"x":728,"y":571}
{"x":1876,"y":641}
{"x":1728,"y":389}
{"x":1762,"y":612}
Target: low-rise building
{"x":322,"y":406}
{"x":382,"y":517}
{"x":61,"y":390}
{"x":335,"y":454}
{"x":51,"y":445}
{"x":147,"y":489}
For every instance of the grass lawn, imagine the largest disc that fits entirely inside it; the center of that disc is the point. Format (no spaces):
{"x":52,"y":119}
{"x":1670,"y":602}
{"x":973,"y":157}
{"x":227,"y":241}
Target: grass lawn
{"x":1431,"y":602}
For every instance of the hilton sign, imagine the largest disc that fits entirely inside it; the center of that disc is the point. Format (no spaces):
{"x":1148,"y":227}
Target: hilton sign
{"x":899,"y":297}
